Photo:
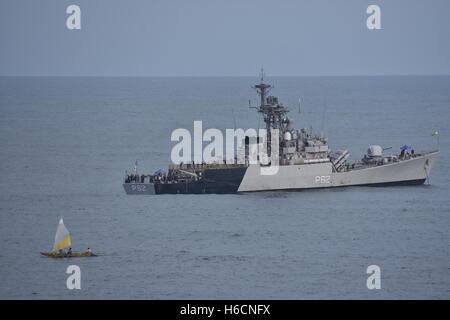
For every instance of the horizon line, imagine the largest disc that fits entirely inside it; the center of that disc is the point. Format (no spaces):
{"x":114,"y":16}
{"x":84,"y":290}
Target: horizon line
{"x":220,"y":76}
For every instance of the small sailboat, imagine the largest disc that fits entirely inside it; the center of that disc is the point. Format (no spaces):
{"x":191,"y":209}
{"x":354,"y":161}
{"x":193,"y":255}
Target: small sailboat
{"x":64,"y":240}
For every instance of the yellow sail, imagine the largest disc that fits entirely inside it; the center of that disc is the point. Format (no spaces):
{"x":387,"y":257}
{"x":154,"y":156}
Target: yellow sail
{"x":62,"y":237}
{"x":67,"y":242}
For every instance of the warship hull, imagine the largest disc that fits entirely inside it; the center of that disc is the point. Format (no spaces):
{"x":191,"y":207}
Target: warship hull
{"x":413,"y":171}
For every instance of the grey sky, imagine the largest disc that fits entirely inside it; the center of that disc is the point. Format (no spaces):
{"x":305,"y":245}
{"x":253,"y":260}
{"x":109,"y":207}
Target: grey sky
{"x":224,"y":37}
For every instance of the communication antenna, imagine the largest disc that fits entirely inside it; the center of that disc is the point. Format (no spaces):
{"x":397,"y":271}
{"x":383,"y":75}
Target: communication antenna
{"x":234,"y":119}
{"x":323,"y":115}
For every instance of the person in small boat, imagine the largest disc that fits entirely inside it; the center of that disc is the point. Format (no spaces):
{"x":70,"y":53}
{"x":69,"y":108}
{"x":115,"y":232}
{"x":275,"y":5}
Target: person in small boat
{"x":69,"y":251}
{"x":60,"y":251}
{"x":89,"y":250}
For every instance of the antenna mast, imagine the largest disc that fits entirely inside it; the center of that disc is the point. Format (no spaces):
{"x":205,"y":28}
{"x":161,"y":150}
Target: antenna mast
{"x":274,"y":113}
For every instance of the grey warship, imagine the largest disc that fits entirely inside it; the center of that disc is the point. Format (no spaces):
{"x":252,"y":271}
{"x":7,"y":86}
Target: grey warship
{"x":305,"y":161}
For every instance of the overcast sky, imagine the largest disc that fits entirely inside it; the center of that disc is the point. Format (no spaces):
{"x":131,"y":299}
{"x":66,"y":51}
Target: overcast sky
{"x":224,"y":37}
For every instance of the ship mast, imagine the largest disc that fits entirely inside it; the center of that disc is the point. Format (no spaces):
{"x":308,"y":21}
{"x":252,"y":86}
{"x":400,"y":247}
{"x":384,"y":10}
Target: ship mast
{"x":273,"y":112}
{"x":262,"y":89}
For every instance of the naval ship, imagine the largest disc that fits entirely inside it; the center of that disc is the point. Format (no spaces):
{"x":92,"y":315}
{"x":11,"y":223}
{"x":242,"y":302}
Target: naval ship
{"x":304,"y":161}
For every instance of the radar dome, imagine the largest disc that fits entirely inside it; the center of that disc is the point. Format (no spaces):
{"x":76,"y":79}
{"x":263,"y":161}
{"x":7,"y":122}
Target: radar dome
{"x":287,"y":136}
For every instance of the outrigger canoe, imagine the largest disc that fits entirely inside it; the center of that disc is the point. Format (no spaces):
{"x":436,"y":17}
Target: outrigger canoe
{"x":64,"y":240}
{"x":64,"y":255}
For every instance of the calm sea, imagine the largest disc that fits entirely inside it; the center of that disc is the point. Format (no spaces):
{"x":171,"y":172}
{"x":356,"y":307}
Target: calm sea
{"x":65,"y":144}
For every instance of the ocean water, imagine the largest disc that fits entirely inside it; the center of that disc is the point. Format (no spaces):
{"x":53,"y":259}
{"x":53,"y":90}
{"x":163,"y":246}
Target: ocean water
{"x":65,"y":144}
